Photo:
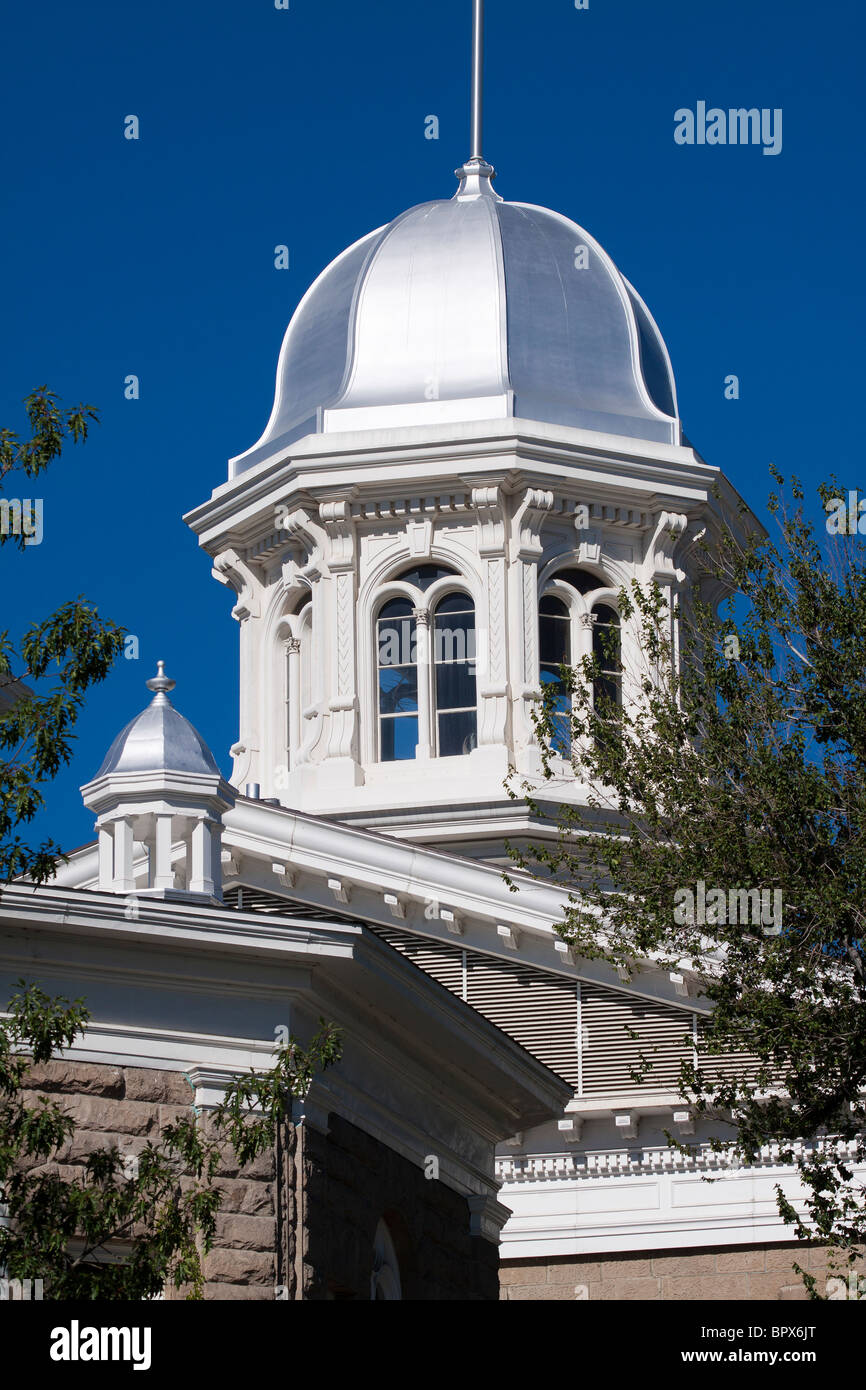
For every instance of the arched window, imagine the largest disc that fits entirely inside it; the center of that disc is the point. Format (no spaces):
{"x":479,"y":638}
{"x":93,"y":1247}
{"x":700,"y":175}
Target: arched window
{"x":454,"y":663}
{"x":607,"y":686}
{"x":554,"y":645}
{"x":425,"y":667}
{"x":385,"y":1284}
{"x":567,"y":617}
{"x":396,"y":644}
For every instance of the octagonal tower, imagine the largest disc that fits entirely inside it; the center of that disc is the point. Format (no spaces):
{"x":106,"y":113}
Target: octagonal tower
{"x":475,"y":443}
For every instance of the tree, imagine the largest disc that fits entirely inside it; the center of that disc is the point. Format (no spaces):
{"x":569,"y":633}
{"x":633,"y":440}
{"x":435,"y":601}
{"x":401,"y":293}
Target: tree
{"x":725,"y":830}
{"x":74,"y":648}
{"x":162,"y":1206}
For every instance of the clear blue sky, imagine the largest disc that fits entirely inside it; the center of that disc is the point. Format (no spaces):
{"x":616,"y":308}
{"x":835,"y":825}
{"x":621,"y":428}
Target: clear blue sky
{"x":306,"y":127}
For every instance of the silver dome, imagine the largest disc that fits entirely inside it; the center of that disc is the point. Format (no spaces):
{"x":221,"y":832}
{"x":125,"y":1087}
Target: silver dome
{"x":471,"y":308}
{"x":159,"y":739}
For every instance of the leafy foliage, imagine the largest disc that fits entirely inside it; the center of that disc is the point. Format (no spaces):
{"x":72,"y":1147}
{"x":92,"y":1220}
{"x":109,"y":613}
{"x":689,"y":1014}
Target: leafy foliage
{"x":124,"y":1230}
{"x":73,"y":649}
{"x":739,"y":766}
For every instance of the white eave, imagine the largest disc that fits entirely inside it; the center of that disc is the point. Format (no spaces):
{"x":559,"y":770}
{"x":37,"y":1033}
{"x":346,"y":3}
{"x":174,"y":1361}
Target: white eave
{"x":380,"y":879}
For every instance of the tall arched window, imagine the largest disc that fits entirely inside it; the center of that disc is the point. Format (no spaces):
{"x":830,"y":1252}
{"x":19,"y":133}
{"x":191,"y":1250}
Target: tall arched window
{"x":425,"y":665}
{"x":554,"y":645}
{"x":567,"y":617}
{"x":385,"y":1286}
{"x":396,"y":644}
{"x":454,"y":663}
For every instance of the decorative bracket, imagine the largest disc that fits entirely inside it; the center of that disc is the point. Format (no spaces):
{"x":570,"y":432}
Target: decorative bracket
{"x":528,"y":521}
{"x":487,"y":502}
{"x":659,"y":564}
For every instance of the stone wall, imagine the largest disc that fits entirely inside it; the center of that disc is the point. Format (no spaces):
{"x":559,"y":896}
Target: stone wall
{"x":351,"y":1182}
{"x":735,"y":1272}
{"x":309,"y":1234}
{"x":124,"y":1107}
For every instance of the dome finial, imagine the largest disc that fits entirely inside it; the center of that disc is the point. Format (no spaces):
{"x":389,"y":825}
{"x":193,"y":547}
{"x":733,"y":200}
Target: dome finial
{"x":160,"y":683}
{"x":476,"y":175}
{"x":477,"y":79}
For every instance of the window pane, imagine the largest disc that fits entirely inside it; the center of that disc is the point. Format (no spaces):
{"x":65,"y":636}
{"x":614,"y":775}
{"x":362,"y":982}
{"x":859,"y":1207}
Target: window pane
{"x":580,"y":580}
{"x":455,"y":686}
{"x":554,"y":640}
{"x":398,"y":689}
{"x":605,"y":689}
{"x":605,"y":638}
{"x":606,"y":615}
{"x":396,"y":608}
{"x":457,"y":733}
{"x":399,"y":739}
{"x":396,"y":641}
{"x":550,"y":675}
{"x":554,"y":606}
{"x":422,"y":576}
{"x":455,"y":603}
{"x":454,"y":637}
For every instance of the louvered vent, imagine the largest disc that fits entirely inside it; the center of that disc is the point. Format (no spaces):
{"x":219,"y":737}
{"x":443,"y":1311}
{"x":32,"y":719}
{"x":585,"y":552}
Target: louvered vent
{"x":725,"y":1066}
{"x":443,"y":962}
{"x":538,"y":1009}
{"x":622,"y":1034}
{"x":274,"y":905}
{"x":591,"y":1036}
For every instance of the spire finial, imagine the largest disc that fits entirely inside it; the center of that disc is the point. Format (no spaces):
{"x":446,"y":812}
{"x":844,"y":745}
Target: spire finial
{"x":476,"y":175}
{"x":477,"y":80}
{"x":160,"y":683}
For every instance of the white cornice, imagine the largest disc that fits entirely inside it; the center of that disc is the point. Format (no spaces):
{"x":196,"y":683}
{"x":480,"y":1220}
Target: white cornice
{"x":516,"y":455}
{"x":376,"y":868}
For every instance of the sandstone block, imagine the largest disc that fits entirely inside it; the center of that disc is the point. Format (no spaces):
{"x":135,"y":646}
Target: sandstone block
{"x":85,"y":1078}
{"x":782,"y":1257}
{"x":237,"y":1293}
{"x":766,"y":1287}
{"x":587,"y":1272}
{"x":685,"y":1264}
{"x":733,"y":1287}
{"x":247,"y":1267}
{"x":615,"y":1268}
{"x":540,"y":1293}
{"x":740,"y":1262}
{"x":630,"y":1290}
{"x":245,"y":1233}
{"x":245,"y":1198}
{"x":523,"y":1274}
{"x":158,"y":1087}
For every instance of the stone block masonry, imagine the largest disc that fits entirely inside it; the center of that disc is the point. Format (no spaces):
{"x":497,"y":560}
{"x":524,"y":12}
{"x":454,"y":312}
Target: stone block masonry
{"x":125,"y":1107}
{"x":299,"y":1222}
{"x":732,"y":1272}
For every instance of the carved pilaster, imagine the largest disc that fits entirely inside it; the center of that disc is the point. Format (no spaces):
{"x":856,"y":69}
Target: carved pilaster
{"x":233,"y":571}
{"x":660,"y":568}
{"x":491,"y":640}
{"x":526,"y":550}
{"x":425,"y":680}
{"x":343,"y":701}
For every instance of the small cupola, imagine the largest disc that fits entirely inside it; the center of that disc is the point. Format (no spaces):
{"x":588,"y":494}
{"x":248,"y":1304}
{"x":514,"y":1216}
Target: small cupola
{"x":159,"y":798}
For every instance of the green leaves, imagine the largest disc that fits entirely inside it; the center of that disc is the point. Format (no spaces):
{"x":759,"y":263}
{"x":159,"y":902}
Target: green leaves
{"x":124,"y":1230}
{"x":64,"y":656}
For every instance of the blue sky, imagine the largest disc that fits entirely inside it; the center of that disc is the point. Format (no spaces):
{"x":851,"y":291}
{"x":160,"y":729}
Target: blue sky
{"x":306,"y":127}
